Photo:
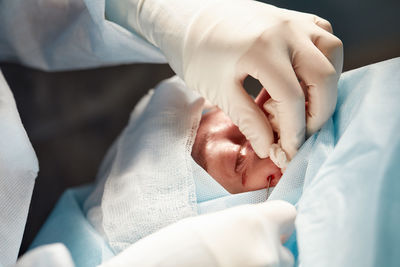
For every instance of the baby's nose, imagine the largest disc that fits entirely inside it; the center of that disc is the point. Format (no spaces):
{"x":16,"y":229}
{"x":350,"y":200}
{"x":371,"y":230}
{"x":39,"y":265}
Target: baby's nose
{"x":262,"y":168}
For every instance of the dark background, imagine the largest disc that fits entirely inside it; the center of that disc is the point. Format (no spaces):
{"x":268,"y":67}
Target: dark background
{"x":72,"y":117}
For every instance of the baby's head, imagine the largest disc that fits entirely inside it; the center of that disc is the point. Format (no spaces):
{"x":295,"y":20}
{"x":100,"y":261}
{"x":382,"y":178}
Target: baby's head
{"x":223,"y":151}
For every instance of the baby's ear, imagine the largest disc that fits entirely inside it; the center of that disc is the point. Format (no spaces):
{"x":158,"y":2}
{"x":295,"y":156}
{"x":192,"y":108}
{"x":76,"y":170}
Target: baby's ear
{"x":260,"y":100}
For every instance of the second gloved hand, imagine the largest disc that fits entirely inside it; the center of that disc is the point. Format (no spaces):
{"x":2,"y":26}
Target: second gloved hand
{"x":248,"y":235}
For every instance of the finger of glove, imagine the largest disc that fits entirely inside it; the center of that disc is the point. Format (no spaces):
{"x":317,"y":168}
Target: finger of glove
{"x":323,"y":23}
{"x":330,"y":46}
{"x":281,"y":213}
{"x":320,"y":79}
{"x":249,"y":118}
{"x":278,"y":77}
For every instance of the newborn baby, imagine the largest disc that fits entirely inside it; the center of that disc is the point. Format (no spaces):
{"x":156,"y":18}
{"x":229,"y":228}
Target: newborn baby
{"x":223,"y":151}
{"x":171,"y":162}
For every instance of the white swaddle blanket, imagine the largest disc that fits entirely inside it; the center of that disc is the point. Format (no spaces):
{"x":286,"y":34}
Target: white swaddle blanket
{"x":148,"y":179}
{"x":146,"y":176}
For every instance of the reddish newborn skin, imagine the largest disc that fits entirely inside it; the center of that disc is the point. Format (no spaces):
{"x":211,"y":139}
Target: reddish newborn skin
{"x":223,"y":151}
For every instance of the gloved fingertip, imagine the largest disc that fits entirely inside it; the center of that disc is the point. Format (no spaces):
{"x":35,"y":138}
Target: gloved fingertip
{"x":260,"y":152}
{"x":278,"y":156}
{"x":261,"y":145}
{"x":282,"y":213}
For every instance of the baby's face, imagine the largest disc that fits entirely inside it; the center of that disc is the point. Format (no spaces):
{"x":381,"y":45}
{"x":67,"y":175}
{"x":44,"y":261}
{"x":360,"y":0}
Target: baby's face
{"x":223,"y":151}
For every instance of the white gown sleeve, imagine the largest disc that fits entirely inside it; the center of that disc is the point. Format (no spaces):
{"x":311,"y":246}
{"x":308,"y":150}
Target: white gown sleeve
{"x":18,"y":170}
{"x":49,"y":35}
{"x":162,"y":23}
{"x":69,"y":34}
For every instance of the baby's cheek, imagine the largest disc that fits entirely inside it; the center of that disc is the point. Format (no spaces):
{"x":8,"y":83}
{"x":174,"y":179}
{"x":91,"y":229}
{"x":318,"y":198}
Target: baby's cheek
{"x":260,"y":172}
{"x":276,"y":177}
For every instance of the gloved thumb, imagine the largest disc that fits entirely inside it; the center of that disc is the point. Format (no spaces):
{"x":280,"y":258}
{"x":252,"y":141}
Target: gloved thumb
{"x":249,"y":118}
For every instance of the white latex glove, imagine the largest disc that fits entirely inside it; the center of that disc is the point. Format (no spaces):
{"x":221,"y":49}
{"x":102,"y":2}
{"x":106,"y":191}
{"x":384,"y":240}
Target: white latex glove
{"x":46,"y":256}
{"x":248,"y":235}
{"x":214,"y":44}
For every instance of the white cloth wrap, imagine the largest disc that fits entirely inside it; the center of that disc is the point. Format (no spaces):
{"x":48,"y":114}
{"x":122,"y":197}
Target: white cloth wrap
{"x":149,"y":182}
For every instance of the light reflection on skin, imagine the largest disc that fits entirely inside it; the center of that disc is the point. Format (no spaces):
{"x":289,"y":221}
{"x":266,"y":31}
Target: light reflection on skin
{"x":223,"y":151}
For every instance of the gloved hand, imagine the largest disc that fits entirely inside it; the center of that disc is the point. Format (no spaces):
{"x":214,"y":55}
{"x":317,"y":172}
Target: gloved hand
{"x":214,"y":44}
{"x":248,"y":235}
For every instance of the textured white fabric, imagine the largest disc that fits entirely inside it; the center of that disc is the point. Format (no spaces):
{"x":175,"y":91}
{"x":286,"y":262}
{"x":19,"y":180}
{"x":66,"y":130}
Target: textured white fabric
{"x":18,"y":170}
{"x":92,"y":205}
{"x":149,"y":182}
{"x":214,"y":45}
{"x":230,"y":201}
